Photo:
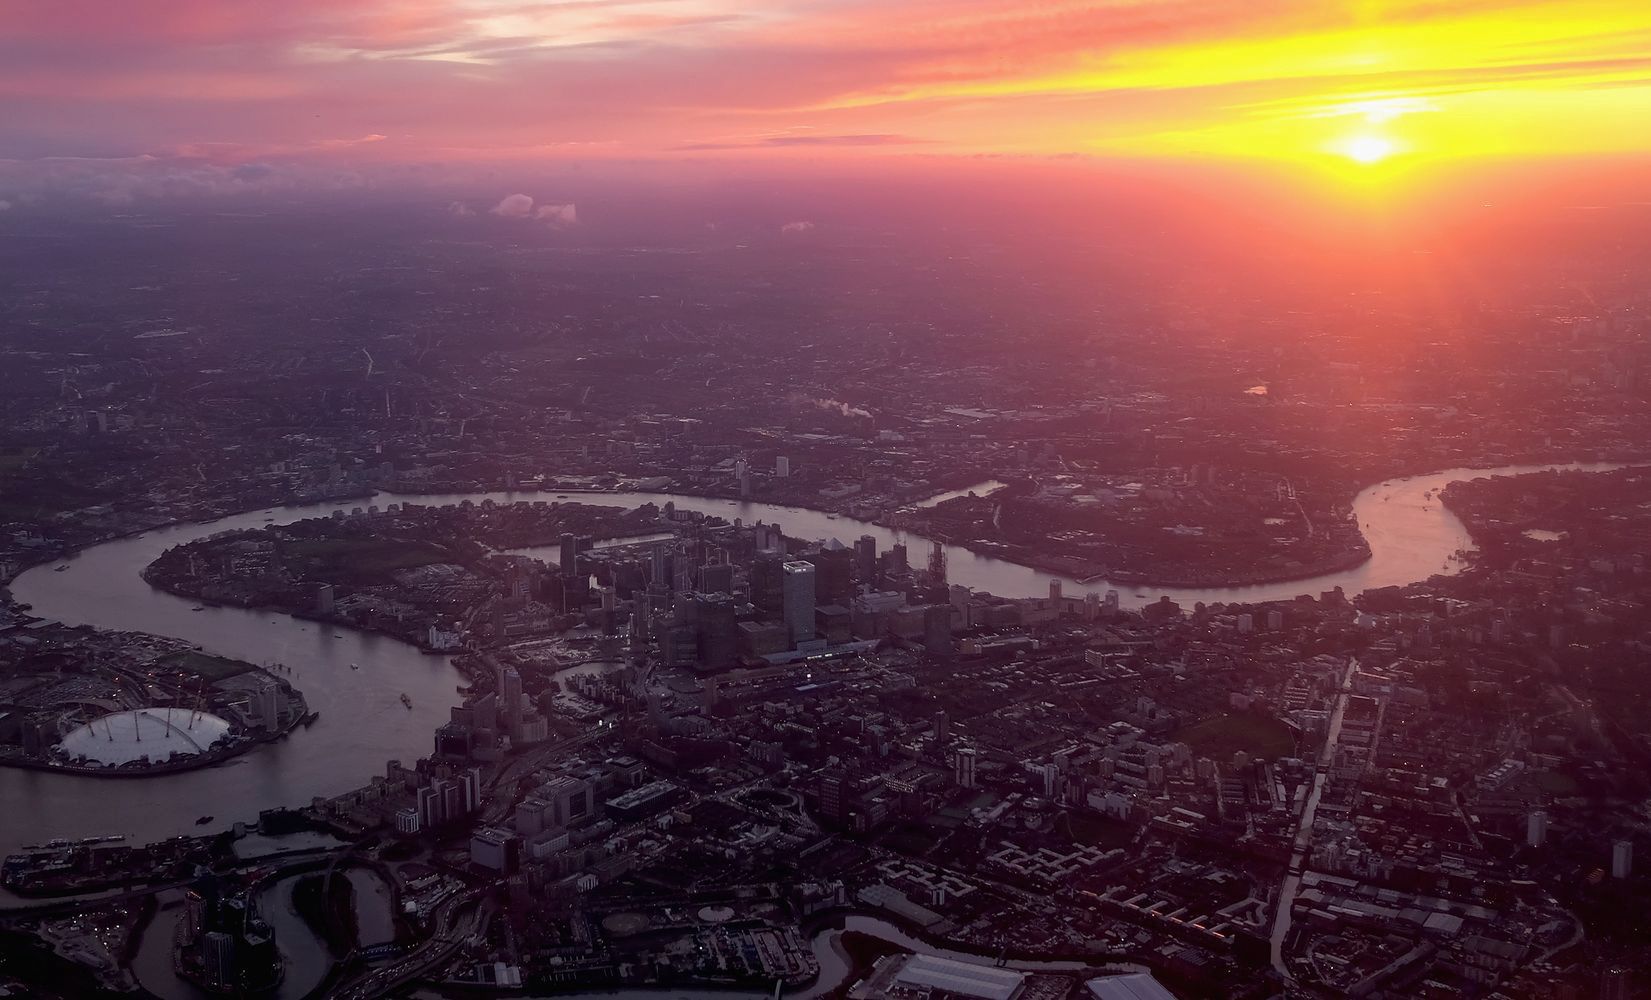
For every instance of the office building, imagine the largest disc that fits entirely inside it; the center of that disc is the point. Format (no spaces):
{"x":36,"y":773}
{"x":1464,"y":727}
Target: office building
{"x":768,"y":585}
{"x":717,"y":578}
{"x":798,"y":597}
{"x":834,"y":573}
{"x":716,"y":631}
{"x":937,"y":629}
{"x":495,"y":849}
{"x":865,"y":559}
{"x":937,"y":564}
{"x":510,"y":699}
{"x":908,"y":977}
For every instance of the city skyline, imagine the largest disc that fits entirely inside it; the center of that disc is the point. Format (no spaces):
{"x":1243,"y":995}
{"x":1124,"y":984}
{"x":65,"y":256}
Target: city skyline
{"x":824,"y":499}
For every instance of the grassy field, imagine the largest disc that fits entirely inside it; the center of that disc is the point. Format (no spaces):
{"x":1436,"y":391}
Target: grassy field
{"x":1093,"y":830}
{"x":367,"y":556}
{"x":16,"y":458}
{"x":1222,"y":736}
{"x":213,"y":668}
{"x":1555,"y":783}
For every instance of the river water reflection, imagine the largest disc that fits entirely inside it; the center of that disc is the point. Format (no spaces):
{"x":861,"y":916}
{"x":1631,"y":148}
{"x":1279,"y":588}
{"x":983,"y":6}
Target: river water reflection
{"x":363,"y":722}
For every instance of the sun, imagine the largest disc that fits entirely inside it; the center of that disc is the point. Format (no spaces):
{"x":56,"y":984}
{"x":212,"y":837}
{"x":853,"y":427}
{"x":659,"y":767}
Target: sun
{"x":1367,"y":148}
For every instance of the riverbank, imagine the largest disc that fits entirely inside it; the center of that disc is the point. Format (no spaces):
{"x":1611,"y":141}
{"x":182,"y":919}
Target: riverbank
{"x":327,"y":904}
{"x":1410,"y":535}
{"x":195,"y":762}
{"x":1348,"y":561}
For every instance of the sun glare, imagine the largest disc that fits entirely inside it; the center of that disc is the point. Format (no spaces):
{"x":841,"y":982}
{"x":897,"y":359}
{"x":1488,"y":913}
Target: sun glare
{"x":1367,"y":148}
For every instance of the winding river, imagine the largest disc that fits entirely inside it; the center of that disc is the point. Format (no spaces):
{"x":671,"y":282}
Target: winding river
{"x":363,"y":723}
{"x":304,"y":955}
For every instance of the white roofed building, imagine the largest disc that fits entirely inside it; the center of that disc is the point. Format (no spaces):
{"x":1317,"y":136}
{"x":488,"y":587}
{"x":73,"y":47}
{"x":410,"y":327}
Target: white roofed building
{"x":1132,"y":986}
{"x":903,"y":977}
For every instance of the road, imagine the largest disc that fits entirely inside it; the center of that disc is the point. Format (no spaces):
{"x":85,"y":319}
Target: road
{"x":532,"y":759}
{"x":78,"y":902}
{"x":1304,"y":831}
{"x":456,"y":922}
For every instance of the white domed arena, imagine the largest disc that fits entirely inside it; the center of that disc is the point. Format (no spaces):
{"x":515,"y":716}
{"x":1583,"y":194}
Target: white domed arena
{"x":147,"y":734}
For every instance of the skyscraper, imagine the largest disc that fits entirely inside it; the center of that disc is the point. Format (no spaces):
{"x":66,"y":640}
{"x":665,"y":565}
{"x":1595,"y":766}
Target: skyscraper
{"x":510,"y":699}
{"x":937,"y":564}
{"x":717,"y":578}
{"x":1536,"y":829}
{"x":768,"y":584}
{"x":834,"y":576}
{"x":937,"y":629}
{"x":799,"y":599}
{"x":715,"y":632}
{"x":865,"y":559}
{"x":1622,"y":859}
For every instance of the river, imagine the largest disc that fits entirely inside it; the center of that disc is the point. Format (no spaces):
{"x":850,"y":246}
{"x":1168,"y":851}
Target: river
{"x":303,"y":955}
{"x":1411,"y":536}
{"x":363,"y":722}
{"x":362,"y":725}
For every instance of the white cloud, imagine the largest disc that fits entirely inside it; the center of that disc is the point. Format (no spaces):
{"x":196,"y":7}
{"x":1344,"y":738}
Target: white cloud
{"x":5,"y":206}
{"x":797,"y":227}
{"x":516,"y":206}
{"x":460,"y":209}
{"x":558,"y":215}
{"x":520,"y":206}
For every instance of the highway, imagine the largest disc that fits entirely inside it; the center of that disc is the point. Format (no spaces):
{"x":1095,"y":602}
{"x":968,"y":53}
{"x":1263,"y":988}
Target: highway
{"x":457,"y":922}
{"x":1304,"y":831}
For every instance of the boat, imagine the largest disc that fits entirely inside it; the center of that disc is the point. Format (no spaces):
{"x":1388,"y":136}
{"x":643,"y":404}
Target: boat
{"x":355,"y":666}
{"x":61,"y":568}
{"x":198,"y":607}
{"x":204,"y":820}
{"x":407,"y":701}
{"x":338,"y":635}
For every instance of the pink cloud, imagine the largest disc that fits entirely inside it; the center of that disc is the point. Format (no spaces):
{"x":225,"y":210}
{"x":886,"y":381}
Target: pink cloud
{"x":515,"y":206}
{"x":557,"y":215}
{"x":521,"y":206}
{"x":401,"y":81}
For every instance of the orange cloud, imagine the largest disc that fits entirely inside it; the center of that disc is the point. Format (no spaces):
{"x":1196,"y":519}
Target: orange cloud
{"x":849,"y":78}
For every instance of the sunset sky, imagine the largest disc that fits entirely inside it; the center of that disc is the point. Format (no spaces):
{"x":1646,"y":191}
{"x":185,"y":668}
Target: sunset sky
{"x":1354,"y":82}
